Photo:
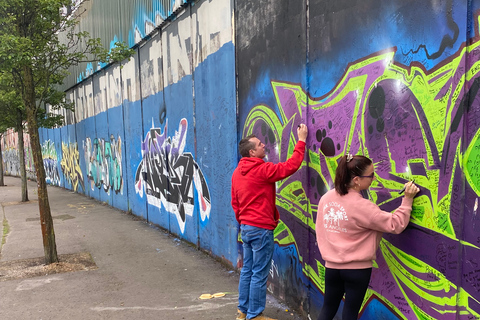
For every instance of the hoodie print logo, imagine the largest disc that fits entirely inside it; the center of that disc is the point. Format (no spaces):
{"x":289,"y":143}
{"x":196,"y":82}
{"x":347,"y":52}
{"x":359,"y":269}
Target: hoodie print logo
{"x":333,"y":216}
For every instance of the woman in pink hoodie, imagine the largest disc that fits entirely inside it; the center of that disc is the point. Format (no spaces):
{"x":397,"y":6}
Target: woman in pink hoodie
{"x":349,"y":229}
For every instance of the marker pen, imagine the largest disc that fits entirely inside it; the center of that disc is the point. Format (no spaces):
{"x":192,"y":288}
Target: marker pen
{"x":403,"y":189}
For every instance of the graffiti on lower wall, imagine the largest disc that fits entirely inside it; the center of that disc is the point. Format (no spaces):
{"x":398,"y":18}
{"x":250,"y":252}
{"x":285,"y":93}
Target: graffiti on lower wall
{"x":167,"y":175}
{"x":11,"y":157}
{"x":104,"y":163}
{"x":409,"y":122}
{"x":11,"y":161}
{"x":70,"y":165}
{"x":50,"y":163}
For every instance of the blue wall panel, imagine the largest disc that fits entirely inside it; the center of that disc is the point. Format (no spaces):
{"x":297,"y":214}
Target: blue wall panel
{"x":154,"y":119}
{"x":51,"y":159}
{"x":42,"y":135}
{"x":101,"y":181}
{"x":216,"y":150}
{"x":80,"y":135}
{"x":86,"y":132}
{"x":71,"y":128}
{"x":63,"y":144}
{"x":68,"y":132}
{"x":93,"y":170}
{"x":50,"y":134}
{"x":133,"y":149}
{"x":117,"y":132}
{"x":95,"y":174}
{"x":180,"y":128}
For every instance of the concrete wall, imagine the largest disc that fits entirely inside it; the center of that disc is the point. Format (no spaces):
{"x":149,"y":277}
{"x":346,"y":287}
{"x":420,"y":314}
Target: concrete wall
{"x":157,"y":135}
{"x":397,"y":81}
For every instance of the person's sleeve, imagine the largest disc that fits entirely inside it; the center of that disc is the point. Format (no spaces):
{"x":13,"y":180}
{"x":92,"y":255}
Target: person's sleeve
{"x":385,"y":221}
{"x":235,"y":205}
{"x":275,"y":172}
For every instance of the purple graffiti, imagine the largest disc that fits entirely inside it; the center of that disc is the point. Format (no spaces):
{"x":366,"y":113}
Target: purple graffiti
{"x":167,"y":175}
{"x":385,"y":111}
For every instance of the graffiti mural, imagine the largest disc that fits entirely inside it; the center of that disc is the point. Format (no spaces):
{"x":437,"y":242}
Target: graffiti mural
{"x":409,"y":122}
{"x":11,"y":157}
{"x":104,"y":163}
{"x":11,"y":161}
{"x":167,"y":175}
{"x":50,"y":163}
{"x":70,"y":165}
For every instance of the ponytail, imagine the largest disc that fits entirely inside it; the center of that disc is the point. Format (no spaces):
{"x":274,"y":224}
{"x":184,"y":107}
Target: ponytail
{"x":348,"y":168}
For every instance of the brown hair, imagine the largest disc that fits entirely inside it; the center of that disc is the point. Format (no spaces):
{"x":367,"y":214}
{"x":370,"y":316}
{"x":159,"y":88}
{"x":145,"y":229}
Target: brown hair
{"x":245,"y":145}
{"x":348,"y":168}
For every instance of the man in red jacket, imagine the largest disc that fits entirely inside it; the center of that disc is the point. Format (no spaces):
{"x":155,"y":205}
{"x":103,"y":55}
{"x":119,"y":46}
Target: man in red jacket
{"x":253,"y":201}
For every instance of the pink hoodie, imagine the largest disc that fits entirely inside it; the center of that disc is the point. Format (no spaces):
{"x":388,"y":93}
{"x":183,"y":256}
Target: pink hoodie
{"x":349,"y":228}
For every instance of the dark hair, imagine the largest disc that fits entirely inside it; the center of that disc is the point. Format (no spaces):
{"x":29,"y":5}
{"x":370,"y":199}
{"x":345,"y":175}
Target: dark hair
{"x":245,"y":145}
{"x":347,"y":170}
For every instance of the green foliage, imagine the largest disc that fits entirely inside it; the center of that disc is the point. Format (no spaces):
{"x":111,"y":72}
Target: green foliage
{"x":10,"y":103}
{"x":38,"y":38}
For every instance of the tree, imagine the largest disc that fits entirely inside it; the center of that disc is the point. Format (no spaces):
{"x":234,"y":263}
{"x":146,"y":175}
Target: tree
{"x":21,"y":152}
{"x":38,"y":45}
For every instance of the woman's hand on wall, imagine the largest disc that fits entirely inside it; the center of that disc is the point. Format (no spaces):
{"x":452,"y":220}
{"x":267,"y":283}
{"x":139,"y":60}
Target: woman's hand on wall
{"x":411,"y":190}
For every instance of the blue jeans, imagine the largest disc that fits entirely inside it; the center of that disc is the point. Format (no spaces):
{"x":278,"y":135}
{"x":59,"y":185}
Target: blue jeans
{"x":257,"y":258}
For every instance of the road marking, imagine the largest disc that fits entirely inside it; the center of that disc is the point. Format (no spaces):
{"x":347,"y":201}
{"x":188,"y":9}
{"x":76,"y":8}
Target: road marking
{"x":32,"y":284}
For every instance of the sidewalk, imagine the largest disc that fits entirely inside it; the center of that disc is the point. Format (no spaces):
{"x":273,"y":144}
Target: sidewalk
{"x":143,"y":272}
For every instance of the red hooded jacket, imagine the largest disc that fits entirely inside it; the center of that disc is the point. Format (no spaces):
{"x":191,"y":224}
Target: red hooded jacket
{"x":253,"y":188}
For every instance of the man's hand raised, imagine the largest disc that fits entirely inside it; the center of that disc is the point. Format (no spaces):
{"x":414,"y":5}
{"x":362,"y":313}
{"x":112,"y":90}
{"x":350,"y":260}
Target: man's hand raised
{"x":302,"y":132}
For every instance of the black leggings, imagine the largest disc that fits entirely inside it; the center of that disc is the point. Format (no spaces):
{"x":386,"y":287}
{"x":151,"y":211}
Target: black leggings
{"x":351,"y":282}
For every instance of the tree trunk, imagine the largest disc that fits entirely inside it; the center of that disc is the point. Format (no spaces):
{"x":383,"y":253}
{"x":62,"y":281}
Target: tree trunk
{"x":1,"y":164}
{"x":21,"y":152}
{"x":48,"y":234}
